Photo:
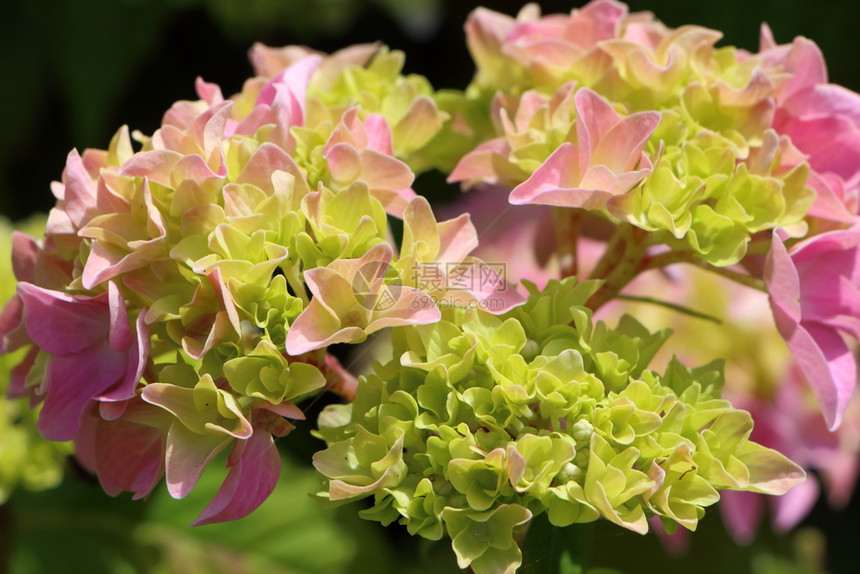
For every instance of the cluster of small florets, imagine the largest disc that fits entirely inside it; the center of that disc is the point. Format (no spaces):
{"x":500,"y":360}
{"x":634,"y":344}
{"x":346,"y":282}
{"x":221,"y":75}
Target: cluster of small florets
{"x":184,"y":294}
{"x":480,"y":423}
{"x":614,"y":112}
{"x":708,"y":152}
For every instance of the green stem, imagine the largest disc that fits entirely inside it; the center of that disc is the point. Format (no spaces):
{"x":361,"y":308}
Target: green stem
{"x":673,"y":257}
{"x":673,"y":306}
{"x":666,"y":259}
{"x":736,"y":276}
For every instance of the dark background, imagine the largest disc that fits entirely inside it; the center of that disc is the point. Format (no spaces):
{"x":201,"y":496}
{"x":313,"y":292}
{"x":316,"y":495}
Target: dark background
{"x":73,"y":71}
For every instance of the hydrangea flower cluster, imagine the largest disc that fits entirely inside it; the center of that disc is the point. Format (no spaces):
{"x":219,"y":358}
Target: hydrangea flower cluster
{"x":479,"y":423}
{"x":186,"y":295}
{"x":615,"y":112}
{"x":705,"y":149}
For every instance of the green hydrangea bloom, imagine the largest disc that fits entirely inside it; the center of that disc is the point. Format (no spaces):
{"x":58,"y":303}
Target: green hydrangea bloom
{"x":480,"y":422}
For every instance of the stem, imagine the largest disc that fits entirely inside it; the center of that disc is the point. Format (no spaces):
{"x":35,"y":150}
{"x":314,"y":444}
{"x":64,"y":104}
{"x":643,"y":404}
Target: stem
{"x":567,"y":226}
{"x":621,"y":263}
{"x":614,"y":252}
{"x":673,"y":306}
{"x":737,"y":277}
{"x":673,"y":257}
{"x":666,"y":259}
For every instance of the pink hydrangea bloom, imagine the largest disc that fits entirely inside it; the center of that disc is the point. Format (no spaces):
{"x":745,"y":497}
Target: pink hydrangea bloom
{"x":547,"y":47}
{"x":815,"y":297}
{"x":823,"y":121}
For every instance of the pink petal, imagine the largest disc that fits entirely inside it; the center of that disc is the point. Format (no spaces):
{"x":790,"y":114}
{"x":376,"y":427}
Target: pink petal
{"x":412,"y":307}
{"x":825,"y":360}
{"x":25,"y":254}
{"x":254,"y":470}
{"x":824,"y":100}
{"x":486,"y":32}
{"x":136,"y":361}
{"x":793,"y":506}
{"x":105,"y":262}
{"x":596,"y":21}
{"x":268,"y":61}
{"x":560,"y":171}
{"x":187,"y":454}
{"x":121,"y":337}
{"x":621,"y":148}
{"x":294,"y":80}
{"x":802,"y":59}
{"x":79,"y":198}
{"x":833,"y":201}
{"x":73,"y":380}
{"x":129,"y":457}
{"x":741,"y":512}
{"x":61,"y":323}
{"x":488,"y":162}
{"x":194,"y":167}
{"x":832,"y":143}
{"x":285,"y":409}
{"x":12,"y":336}
{"x":384,"y":171}
{"x":264,"y":162}
{"x":18,"y":378}
{"x":344,"y":163}
{"x":457,"y":238}
{"x":316,"y":328}
{"x":156,"y":165}
{"x":594,"y":118}
{"x":495,"y":294}
{"x":378,"y":134}
{"x":783,"y":283}
{"x":835,"y":385}
{"x":210,"y":93}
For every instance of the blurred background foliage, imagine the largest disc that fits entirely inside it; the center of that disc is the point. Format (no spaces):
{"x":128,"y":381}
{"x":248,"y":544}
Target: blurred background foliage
{"x":72,"y":71}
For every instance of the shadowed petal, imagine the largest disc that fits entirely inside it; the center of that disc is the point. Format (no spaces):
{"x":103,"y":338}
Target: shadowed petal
{"x":254,"y":470}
